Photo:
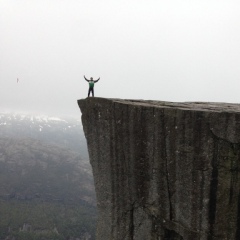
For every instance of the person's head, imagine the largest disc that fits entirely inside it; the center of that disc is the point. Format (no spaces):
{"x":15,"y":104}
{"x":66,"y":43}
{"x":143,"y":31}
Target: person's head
{"x":91,"y":78}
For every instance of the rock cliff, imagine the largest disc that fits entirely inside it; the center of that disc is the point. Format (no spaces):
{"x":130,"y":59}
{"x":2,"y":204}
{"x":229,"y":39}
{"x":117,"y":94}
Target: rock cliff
{"x":164,"y":170}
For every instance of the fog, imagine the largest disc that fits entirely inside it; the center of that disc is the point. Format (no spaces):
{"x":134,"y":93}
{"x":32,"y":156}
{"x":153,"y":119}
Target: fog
{"x":162,"y":50}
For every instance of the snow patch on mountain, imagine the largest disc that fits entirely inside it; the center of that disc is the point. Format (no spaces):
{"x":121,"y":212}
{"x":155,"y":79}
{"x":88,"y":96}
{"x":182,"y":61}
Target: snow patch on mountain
{"x":43,"y":120}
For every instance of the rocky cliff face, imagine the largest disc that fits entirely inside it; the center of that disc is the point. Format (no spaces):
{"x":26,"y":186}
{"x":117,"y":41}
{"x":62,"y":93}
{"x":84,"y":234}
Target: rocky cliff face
{"x":164,"y":170}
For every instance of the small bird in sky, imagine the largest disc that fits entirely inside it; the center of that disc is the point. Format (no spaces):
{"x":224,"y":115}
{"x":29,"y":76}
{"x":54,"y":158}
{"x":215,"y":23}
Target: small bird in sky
{"x":17,"y":80}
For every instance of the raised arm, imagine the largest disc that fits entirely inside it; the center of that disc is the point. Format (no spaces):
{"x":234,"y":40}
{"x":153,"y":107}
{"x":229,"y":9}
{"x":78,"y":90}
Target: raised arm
{"x":97,"y":80}
{"x":86,"y":79}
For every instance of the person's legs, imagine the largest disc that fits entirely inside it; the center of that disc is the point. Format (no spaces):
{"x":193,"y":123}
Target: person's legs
{"x":90,"y":91}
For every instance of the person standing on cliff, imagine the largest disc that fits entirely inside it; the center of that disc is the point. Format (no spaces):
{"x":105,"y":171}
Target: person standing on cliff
{"x":91,"y":85}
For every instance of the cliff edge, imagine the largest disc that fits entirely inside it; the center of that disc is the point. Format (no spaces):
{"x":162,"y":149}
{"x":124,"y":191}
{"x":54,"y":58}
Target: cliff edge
{"x":164,"y":170}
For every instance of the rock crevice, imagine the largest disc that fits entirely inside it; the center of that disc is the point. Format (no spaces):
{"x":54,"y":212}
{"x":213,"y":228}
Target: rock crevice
{"x":164,"y":170}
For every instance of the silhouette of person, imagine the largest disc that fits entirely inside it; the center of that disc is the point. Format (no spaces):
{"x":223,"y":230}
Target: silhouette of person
{"x":91,"y":85}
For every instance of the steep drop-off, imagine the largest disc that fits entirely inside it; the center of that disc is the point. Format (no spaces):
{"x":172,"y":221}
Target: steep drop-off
{"x":164,"y":170}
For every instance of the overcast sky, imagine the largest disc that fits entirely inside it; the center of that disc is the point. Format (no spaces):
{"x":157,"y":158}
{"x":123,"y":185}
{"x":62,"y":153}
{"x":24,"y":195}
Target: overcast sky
{"x":169,"y":50}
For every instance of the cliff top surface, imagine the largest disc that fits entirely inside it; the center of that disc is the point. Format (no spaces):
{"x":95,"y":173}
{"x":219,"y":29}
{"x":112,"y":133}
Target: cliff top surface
{"x":197,"y":106}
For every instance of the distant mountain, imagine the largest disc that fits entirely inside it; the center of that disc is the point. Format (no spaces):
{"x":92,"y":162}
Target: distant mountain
{"x":66,"y":132}
{"x":46,"y":183}
{"x":30,"y":169}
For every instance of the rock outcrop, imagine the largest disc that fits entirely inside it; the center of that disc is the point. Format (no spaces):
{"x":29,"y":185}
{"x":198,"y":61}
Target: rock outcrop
{"x":164,"y":170}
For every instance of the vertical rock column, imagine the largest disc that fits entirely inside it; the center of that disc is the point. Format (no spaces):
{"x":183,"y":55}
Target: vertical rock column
{"x":164,"y":170}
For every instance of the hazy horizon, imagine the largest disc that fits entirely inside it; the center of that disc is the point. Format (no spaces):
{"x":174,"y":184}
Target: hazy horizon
{"x":169,"y":51}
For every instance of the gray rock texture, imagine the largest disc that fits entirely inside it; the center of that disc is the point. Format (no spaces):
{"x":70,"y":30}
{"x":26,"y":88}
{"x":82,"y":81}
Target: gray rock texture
{"x":164,"y":170}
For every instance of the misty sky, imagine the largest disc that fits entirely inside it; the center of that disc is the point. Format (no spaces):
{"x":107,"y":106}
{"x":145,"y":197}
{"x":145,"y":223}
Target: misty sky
{"x":175,"y":50}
